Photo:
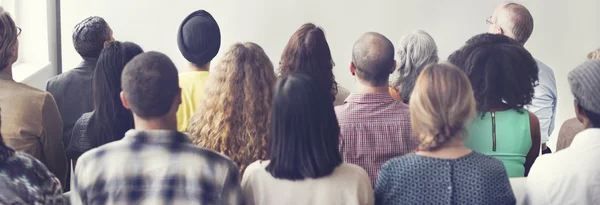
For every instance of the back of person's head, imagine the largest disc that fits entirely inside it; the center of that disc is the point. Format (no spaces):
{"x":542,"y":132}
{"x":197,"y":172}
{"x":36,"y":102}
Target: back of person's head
{"x":514,"y":20}
{"x":585,"y":83}
{"x":90,"y":36}
{"x":442,"y":103}
{"x":308,"y":51}
{"x":594,"y":55}
{"x":503,"y":74}
{"x":415,"y":51}
{"x":8,"y":40}
{"x":233,"y":118}
{"x":111,"y":120}
{"x":151,"y":86}
{"x":373,"y":59}
{"x":199,"y":38}
{"x":304,"y":130}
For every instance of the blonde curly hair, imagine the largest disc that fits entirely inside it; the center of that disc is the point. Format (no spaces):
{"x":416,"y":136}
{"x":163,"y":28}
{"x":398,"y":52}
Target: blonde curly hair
{"x":233,"y":118}
{"x":594,"y":55}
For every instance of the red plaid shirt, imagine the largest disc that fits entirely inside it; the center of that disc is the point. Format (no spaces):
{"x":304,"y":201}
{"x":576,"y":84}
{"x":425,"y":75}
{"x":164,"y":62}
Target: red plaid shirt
{"x":374,"y":128}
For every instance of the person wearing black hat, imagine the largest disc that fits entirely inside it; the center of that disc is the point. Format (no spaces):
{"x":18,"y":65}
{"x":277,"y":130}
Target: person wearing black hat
{"x":199,"y":40}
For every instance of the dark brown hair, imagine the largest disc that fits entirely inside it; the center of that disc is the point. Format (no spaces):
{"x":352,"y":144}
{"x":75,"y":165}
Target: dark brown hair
{"x":307,"y":51}
{"x":8,"y":38}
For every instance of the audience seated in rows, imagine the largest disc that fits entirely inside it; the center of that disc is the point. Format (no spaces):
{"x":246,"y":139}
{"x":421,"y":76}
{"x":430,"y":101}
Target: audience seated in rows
{"x":515,"y":21}
{"x":233,"y":117}
{"x":109,"y":120}
{"x":374,"y":127}
{"x":154,"y":164}
{"x":502,"y":74}
{"x":305,"y":165}
{"x":199,"y":40}
{"x":308,"y":51}
{"x":25,"y":180}
{"x":443,"y":171}
{"x":571,"y":175}
{"x":572,"y":126}
{"x":415,"y":51}
{"x":32,"y":123}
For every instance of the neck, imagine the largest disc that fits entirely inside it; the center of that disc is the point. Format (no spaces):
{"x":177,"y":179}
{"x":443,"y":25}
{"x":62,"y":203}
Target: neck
{"x":452,"y":150}
{"x":205,"y":67}
{"x":157,"y":123}
{"x":7,"y":71}
{"x":366,"y":88}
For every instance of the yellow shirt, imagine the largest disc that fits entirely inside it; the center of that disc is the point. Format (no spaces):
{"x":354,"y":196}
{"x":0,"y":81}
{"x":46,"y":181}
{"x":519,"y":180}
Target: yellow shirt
{"x":192,"y":91}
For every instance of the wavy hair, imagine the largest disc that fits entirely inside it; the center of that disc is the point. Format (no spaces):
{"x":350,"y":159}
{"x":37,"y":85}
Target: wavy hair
{"x":308,"y":51}
{"x":8,"y":38}
{"x":233,"y":118}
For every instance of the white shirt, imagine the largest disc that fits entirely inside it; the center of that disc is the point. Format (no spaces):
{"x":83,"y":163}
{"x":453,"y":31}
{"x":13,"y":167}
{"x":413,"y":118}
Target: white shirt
{"x":570,"y":176}
{"x":347,"y":185}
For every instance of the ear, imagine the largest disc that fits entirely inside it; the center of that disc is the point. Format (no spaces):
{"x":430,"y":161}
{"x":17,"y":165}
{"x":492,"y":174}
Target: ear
{"x":106,"y":43}
{"x":393,"y":68}
{"x":124,"y":101}
{"x":352,"y":69}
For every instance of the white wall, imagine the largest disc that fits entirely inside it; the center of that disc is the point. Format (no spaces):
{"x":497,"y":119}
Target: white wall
{"x":565,"y":31}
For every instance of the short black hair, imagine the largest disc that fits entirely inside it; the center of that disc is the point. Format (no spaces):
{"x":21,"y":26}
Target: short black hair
{"x":304,"y":130}
{"x":502,"y":72}
{"x":373,"y":58}
{"x":150,"y":84}
{"x":89,"y":36}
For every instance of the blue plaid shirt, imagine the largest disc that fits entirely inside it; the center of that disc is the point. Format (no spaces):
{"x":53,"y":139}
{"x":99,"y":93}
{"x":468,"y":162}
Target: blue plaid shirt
{"x":25,"y":180}
{"x":155,"y":167}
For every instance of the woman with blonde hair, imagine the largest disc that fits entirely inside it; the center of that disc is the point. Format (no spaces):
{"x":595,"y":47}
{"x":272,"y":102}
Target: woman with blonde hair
{"x":233,"y":118}
{"x":444,"y":170}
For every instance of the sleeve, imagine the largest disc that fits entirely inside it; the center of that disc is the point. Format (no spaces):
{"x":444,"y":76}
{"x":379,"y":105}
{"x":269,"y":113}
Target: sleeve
{"x":365,"y":189}
{"x":247,"y":188}
{"x":51,"y":139}
{"x":534,"y":190}
{"x":79,"y":142}
{"x":232,"y":191}
{"x":503,"y":189}
{"x":543,"y":104}
{"x":77,"y":195}
{"x":382,"y":185}
{"x":51,"y":187}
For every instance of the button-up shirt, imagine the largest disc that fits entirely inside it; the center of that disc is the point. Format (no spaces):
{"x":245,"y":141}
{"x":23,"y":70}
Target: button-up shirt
{"x":31,"y":124}
{"x":570,"y":176}
{"x":374,"y":128}
{"x":155,"y":167}
{"x":25,"y":180}
{"x":544,"y":101}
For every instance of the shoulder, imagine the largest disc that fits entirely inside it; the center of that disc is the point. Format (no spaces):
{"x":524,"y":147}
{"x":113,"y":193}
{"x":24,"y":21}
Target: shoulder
{"x":55,"y":82}
{"x":409,"y":161}
{"x":82,"y":123}
{"x":35,"y":165}
{"x":253,"y":169}
{"x":351,"y":170}
{"x":212,"y":158}
{"x":486,"y":161}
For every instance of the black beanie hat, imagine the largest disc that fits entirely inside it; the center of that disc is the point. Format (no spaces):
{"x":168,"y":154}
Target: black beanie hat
{"x":199,"y":37}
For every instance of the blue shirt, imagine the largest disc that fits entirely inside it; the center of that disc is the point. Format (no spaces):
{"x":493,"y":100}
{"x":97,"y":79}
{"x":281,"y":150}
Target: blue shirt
{"x":544,"y":101}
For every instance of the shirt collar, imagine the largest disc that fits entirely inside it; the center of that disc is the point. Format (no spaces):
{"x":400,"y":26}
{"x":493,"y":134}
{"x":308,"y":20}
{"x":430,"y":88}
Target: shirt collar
{"x":156,"y":137}
{"x":88,"y":64}
{"x":5,"y":76}
{"x":586,"y":138}
{"x":369,"y":97}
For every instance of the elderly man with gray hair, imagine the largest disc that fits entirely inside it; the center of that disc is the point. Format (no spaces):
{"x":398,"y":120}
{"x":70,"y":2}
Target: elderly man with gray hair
{"x":574,"y":171}
{"x":515,"y":21}
{"x":415,"y":51}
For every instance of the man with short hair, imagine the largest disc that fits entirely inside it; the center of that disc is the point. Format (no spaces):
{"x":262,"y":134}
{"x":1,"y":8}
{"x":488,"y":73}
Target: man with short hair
{"x":30,"y":119}
{"x":73,"y":90}
{"x":571,"y":175}
{"x":515,"y":21}
{"x":154,"y":164}
{"x":199,"y":40}
{"x":373,"y":126}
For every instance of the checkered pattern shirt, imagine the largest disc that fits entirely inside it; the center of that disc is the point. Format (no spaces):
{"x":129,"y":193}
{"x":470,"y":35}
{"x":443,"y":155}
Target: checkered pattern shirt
{"x":374,"y":128}
{"x":155,"y":167}
{"x":25,"y":180}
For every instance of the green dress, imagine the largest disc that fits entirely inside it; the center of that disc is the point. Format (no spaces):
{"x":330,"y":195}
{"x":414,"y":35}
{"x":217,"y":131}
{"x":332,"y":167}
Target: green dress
{"x":512,"y":138}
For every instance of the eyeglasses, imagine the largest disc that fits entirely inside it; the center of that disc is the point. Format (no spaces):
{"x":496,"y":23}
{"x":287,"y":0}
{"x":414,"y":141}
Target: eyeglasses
{"x":18,"y":31}
{"x":488,"y":20}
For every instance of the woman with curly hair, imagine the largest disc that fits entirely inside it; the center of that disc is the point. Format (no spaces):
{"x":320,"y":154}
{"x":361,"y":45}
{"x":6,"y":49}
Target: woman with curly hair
{"x":503,"y":75}
{"x":307,"y":51}
{"x":233,"y":118}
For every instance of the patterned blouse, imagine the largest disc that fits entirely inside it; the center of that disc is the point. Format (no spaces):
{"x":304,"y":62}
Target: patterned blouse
{"x":25,"y":180}
{"x":471,"y":179}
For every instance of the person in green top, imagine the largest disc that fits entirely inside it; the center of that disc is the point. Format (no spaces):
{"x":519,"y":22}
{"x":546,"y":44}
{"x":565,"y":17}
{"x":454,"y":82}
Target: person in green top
{"x":503,"y":75}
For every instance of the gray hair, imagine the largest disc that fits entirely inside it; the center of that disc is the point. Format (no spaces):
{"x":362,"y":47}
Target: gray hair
{"x":519,"y":22}
{"x":415,"y":51}
{"x":8,"y":38}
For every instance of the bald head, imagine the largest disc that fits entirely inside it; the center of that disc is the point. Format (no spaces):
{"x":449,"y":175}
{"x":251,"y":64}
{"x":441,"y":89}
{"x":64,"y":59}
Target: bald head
{"x":513,"y":20}
{"x":373,"y":58}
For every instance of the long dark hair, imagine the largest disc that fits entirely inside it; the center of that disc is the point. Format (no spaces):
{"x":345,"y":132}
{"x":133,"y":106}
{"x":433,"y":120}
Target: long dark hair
{"x":304,"y":130}
{"x":308,"y":51}
{"x":111,"y":120}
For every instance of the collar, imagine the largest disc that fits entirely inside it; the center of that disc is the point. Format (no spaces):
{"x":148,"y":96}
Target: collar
{"x":369,"y":98}
{"x":156,"y":137}
{"x":5,"y":76}
{"x":586,"y":138}
{"x":87,"y":64}
{"x":5,"y":152}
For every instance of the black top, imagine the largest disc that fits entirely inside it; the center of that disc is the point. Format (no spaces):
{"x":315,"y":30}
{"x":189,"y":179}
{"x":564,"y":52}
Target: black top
{"x":73,"y":94}
{"x":81,"y":142}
